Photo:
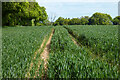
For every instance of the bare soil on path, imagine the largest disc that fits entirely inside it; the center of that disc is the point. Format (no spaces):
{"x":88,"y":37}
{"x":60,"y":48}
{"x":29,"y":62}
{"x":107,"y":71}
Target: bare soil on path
{"x":44,"y":57}
{"x":73,"y":39}
{"x":38,"y":51}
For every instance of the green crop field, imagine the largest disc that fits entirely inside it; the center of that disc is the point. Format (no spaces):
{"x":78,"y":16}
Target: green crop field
{"x":102,"y":40}
{"x":94,"y":55}
{"x":18,"y":47}
{"x":70,"y":61}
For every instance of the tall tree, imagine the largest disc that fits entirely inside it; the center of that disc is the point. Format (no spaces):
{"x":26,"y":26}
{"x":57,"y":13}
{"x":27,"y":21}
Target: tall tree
{"x":22,"y":13}
{"x":116,"y":20}
{"x":59,"y":21}
{"x":100,"y":19}
{"x":74,"y":21}
{"x":84,"y":20}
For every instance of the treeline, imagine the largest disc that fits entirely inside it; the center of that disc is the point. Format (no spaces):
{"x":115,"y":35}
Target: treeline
{"x":23,"y":13}
{"x":31,"y":14}
{"x":95,"y":19}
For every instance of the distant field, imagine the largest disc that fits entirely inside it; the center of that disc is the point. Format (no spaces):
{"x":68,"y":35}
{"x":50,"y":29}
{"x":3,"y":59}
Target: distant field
{"x":74,"y":52}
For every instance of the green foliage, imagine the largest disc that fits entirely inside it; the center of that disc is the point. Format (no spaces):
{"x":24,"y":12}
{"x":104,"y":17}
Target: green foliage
{"x":95,"y":19}
{"x":84,"y":20}
{"x":100,"y":19}
{"x":59,"y":21}
{"x":56,"y":23}
{"x":21,"y":13}
{"x":74,"y":21}
{"x":116,"y":20}
{"x":18,"y":47}
{"x":67,"y":60}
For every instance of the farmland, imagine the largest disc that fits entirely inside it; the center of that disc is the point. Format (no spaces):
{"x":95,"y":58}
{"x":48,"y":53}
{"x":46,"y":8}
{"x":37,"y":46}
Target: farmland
{"x":95,"y":55}
{"x":68,"y":60}
{"x":18,"y":48}
{"x":102,"y":40}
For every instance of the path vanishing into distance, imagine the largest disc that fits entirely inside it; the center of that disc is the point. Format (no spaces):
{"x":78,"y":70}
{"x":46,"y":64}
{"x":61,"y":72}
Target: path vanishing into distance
{"x":43,"y":53}
{"x":44,"y":56}
{"x":60,"y":52}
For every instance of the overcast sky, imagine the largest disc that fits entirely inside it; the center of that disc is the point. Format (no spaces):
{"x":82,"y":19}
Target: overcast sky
{"x":78,"y":8}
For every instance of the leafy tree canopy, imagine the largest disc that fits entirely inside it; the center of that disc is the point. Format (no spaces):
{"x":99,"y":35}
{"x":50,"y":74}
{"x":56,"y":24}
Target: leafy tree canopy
{"x":84,"y":20}
{"x":100,"y":19}
{"x":74,"y":21}
{"x":116,"y":20}
{"x":22,"y":13}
